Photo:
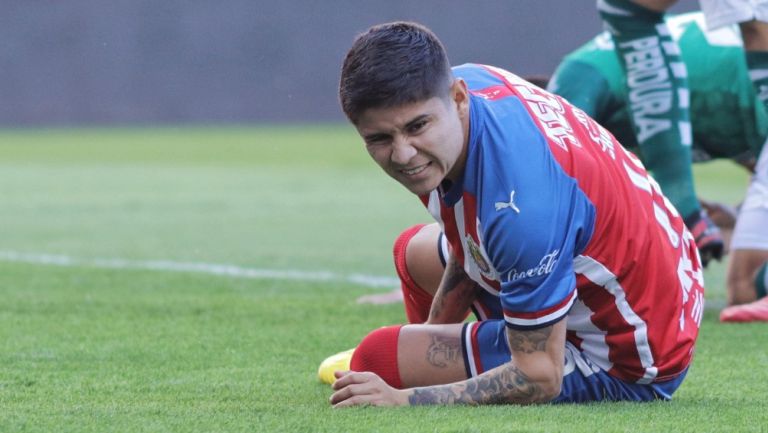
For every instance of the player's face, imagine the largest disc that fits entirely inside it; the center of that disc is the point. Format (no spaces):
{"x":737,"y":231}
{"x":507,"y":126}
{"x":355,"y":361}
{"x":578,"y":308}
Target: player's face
{"x":422,"y":143}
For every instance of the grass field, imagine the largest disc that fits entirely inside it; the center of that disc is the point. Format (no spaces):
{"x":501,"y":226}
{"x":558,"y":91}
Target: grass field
{"x":193,"y":279}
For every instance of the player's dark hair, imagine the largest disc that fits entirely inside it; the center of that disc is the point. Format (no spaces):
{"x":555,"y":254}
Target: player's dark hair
{"x":391,"y":65}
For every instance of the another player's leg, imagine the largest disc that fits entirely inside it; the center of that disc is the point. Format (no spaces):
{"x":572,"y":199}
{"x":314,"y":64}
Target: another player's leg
{"x":745,"y":279}
{"x":756,"y":311}
{"x":749,"y":252}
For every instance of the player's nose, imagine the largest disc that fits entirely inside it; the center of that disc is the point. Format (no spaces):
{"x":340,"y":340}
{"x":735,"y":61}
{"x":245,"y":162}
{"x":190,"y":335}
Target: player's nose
{"x":402,"y":151}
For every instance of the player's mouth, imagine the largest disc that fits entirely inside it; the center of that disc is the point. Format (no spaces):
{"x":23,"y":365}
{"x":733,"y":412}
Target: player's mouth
{"x":415,"y":170}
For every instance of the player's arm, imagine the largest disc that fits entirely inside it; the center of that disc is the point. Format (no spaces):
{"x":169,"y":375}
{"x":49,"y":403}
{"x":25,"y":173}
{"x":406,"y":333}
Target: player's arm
{"x":534,"y":374}
{"x":454,"y":296}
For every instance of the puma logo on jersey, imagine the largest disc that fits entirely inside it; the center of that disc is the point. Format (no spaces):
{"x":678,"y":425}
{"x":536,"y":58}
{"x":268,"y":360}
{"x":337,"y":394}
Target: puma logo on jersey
{"x":511,"y":204}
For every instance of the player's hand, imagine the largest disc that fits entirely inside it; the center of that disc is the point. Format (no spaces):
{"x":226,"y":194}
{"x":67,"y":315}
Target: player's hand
{"x":365,"y":388}
{"x":721,"y":214}
{"x":708,"y":238}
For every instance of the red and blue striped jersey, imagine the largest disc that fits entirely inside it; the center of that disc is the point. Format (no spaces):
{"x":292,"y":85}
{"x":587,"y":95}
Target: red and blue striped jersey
{"x":557,"y":220}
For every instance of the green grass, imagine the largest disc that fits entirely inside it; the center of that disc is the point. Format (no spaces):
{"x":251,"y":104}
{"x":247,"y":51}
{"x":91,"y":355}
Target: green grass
{"x":87,"y":349}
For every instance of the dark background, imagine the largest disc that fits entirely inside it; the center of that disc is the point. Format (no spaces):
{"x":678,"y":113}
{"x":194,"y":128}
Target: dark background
{"x":124,"y":62}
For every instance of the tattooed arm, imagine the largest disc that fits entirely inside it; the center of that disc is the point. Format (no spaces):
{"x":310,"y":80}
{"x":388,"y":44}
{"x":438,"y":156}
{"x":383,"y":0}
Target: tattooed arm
{"x":454,"y":296}
{"x":533,"y":375}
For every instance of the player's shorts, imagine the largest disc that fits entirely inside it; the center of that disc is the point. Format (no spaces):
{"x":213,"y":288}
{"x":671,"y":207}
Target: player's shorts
{"x":751,"y":231}
{"x":485,"y":347}
{"x":720,"y":13}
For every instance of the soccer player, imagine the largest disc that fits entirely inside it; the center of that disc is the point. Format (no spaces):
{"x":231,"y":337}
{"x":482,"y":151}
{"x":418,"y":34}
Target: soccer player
{"x":657,"y":79}
{"x":728,"y":121}
{"x":587,"y":283}
{"x":638,"y":29}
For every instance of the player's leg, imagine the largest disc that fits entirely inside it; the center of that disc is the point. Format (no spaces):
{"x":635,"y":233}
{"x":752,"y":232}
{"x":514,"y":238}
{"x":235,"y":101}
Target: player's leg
{"x":420,"y":262}
{"x":749,"y":250}
{"x":425,"y":258}
{"x":419,"y":255}
{"x":413,"y":355}
{"x":748,"y":269}
{"x":756,"y":311}
{"x":746,"y":275}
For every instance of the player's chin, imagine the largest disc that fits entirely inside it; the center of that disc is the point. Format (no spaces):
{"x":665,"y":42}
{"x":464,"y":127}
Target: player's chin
{"x":420,"y":185}
{"x":419,"y":188}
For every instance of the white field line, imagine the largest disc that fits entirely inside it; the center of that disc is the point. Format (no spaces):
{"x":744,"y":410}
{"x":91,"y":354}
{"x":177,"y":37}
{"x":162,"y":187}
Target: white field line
{"x":201,"y":268}
{"x":233,"y":271}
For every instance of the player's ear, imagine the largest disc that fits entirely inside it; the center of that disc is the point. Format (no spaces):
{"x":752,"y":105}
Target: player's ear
{"x":460,"y":96}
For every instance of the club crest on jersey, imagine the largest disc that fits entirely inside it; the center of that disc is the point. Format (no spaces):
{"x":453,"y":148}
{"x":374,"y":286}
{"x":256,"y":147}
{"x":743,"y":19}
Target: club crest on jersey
{"x":478,"y":258}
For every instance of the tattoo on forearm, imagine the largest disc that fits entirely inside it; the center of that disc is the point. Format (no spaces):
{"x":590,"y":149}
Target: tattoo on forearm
{"x":529,"y":341}
{"x":456,"y":280}
{"x":444,"y":350}
{"x":504,"y":384}
{"x":455,"y":277}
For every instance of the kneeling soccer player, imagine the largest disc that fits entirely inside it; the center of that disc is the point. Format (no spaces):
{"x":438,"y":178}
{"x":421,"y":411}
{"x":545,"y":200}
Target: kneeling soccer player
{"x":585,"y":282}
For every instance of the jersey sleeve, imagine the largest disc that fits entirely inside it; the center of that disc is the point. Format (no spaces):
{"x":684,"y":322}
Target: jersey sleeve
{"x":539,"y":221}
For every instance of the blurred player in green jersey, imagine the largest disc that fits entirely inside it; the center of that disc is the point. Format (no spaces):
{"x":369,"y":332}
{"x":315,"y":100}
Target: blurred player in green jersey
{"x":727,"y":120}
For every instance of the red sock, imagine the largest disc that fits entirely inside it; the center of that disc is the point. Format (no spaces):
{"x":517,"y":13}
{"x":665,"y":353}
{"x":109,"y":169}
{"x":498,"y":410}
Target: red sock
{"x":377,"y":353}
{"x":417,"y":301}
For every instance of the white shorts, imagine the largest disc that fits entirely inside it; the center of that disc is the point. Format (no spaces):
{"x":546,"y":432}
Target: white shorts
{"x":720,"y":13}
{"x":751,"y":231}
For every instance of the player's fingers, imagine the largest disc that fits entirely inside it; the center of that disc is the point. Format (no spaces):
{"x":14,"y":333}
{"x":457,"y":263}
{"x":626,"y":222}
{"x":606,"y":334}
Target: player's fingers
{"x":373,"y":399}
{"x":352,"y":401}
{"x":351,"y":391}
{"x":341,"y":373}
{"x":340,"y":395}
{"x":352,"y":377}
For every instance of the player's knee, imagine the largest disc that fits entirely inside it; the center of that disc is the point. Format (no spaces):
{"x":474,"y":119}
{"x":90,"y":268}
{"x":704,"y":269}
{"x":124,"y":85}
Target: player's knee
{"x":401,"y":246}
{"x":377,"y":353}
{"x":417,"y":257}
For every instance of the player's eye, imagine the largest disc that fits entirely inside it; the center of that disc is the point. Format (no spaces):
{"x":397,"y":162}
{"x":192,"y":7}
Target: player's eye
{"x":377,"y":139}
{"x":416,"y":126}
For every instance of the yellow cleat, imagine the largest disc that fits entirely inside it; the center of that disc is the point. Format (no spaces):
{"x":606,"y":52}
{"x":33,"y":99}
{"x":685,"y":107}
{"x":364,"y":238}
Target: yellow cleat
{"x":337,"y":362}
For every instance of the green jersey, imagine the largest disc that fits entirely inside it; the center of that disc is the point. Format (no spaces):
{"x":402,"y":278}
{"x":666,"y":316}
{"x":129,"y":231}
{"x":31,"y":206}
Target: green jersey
{"x":727,"y":119}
